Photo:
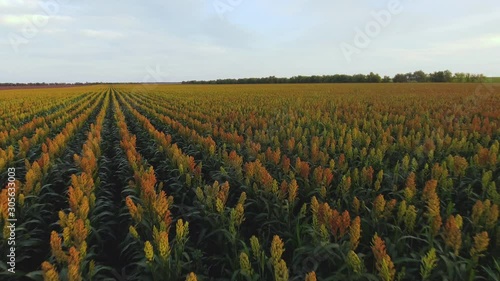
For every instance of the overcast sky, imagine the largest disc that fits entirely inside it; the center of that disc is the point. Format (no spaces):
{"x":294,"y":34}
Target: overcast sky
{"x":153,"y":40}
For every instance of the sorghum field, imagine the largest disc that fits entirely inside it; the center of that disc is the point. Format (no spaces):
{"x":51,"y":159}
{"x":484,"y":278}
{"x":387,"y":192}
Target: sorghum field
{"x":251,"y":182}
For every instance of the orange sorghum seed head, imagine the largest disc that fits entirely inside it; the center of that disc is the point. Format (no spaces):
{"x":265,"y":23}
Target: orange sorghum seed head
{"x":55,"y":244}
{"x":452,"y":234}
{"x":481,"y":242}
{"x":311,"y":276}
{"x":49,"y":272}
{"x":355,"y":232}
{"x":277,"y":249}
{"x":191,"y":277}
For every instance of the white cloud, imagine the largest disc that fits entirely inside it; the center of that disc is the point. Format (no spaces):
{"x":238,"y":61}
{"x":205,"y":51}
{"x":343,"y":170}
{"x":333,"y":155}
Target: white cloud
{"x":470,"y":21}
{"x":11,"y":20}
{"x":18,"y":4}
{"x":476,"y":43}
{"x":53,"y":30}
{"x":102,"y":34}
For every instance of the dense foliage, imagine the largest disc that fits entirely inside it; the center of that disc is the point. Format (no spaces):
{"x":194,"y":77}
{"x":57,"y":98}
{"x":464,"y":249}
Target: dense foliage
{"x":248,"y":182}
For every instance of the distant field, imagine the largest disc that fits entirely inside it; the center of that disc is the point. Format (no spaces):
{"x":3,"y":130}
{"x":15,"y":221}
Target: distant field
{"x":252,"y":182}
{"x":494,"y":79}
{"x":36,"y":87}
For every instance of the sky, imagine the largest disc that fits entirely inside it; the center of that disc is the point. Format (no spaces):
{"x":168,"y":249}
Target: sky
{"x":170,"y":41}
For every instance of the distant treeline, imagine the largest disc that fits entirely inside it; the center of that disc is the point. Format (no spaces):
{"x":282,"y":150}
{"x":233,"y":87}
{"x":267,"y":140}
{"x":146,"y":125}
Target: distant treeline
{"x":417,"y":76}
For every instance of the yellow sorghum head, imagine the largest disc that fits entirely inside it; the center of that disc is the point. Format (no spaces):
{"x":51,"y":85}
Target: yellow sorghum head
{"x":92,"y":268}
{"x":70,"y":220}
{"x":433,"y":209}
{"x":239,"y":214}
{"x":481,"y":241}
{"x":274,"y":186}
{"x":356,"y":204}
{"x":73,"y":273}
{"x":181,"y":230}
{"x":429,"y":262}
{"x":219,"y":205}
{"x":491,"y":217}
{"x":378,"y":182}
{"x":62,"y":219}
{"x":161,"y":205}
{"x":67,"y":236}
{"x":133,"y":232}
{"x":410,"y":218}
{"x":354,"y":262}
{"x":459,"y":221}
{"x":92,"y":200}
{"x":401,"y":210}
{"x":277,"y":249}
{"x":200,"y":195}
{"x":314,"y":206}
{"x":191,"y":277}
{"x":133,"y":210}
{"x":21,"y":200}
{"x":156,"y":235}
{"x":379,"y":205}
{"x":6,"y":231}
{"x":83,"y":250}
{"x":387,"y":271}
{"x":303,"y":211}
{"x":255,"y":245}
{"x":280,"y":271}
{"x":477,"y":212}
{"x":245,"y":265}
{"x":243,"y":198}
{"x":164,"y":246}
{"x":345,"y":184}
{"x":408,"y":194}
{"x":293,"y":187}
{"x":322,"y":192}
{"x":325,"y":234}
{"x":148,"y":251}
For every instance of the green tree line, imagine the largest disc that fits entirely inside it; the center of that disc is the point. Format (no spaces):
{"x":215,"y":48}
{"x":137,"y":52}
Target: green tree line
{"x":417,"y":76}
